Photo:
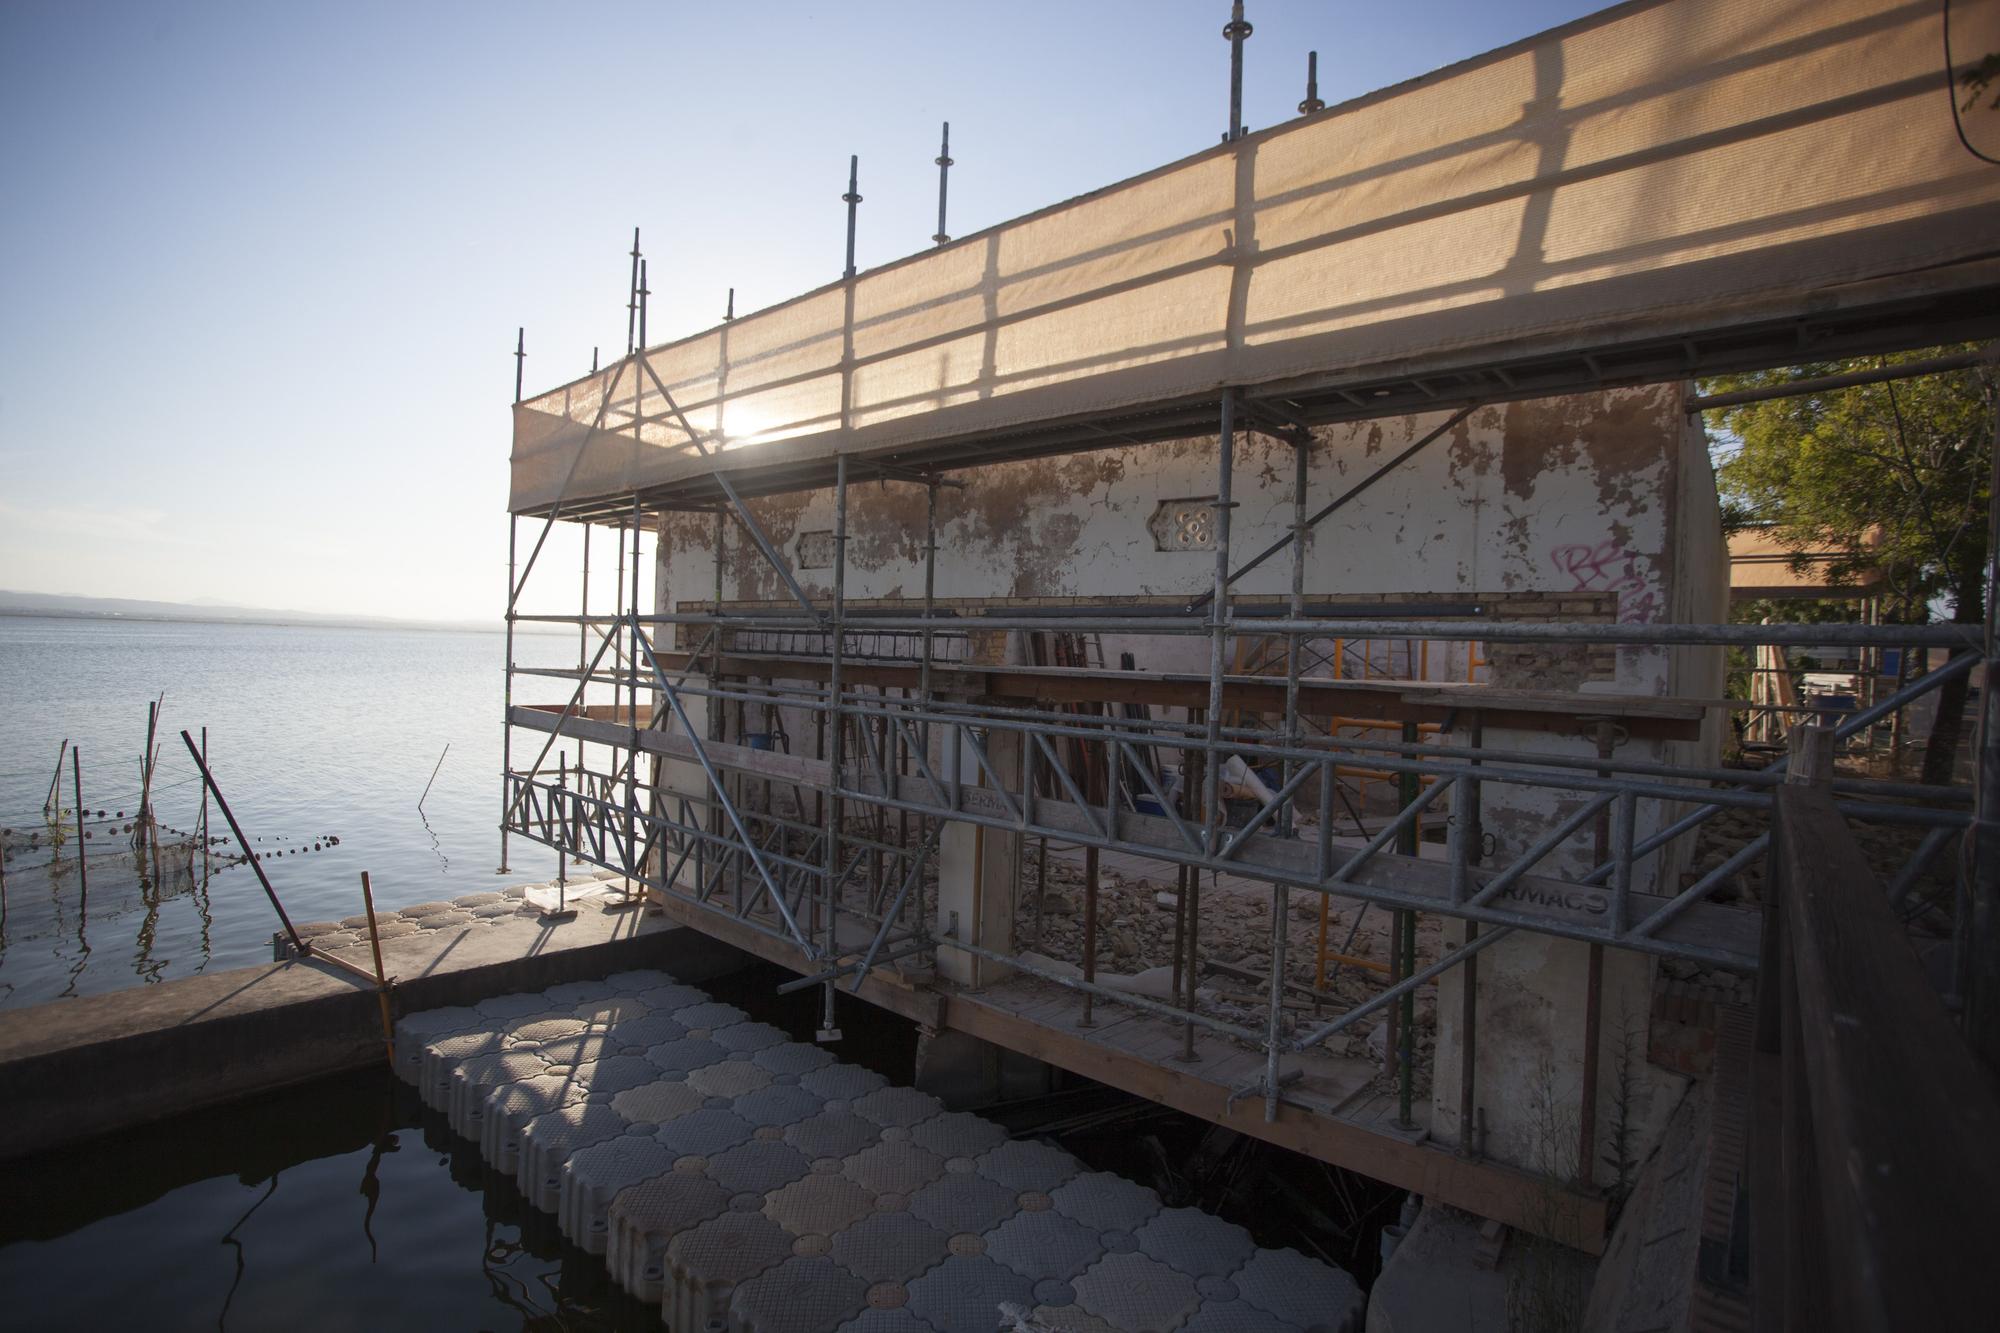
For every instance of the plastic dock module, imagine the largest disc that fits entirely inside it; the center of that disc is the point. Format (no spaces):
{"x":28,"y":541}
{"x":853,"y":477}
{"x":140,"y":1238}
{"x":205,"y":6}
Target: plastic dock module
{"x":646,"y":1216}
{"x":593,"y":1176}
{"x":751,"y":1184}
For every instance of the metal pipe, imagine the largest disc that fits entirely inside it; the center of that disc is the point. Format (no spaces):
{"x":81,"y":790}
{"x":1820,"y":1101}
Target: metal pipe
{"x":1938,"y":635}
{"x":793,"y":696}
{"x":1400,"y":989}
{"x":910,"y":880}
{"x":1976,"y":920}
{"x":764,"y":547}
{"x":506,"y":700}
{"x":1468,"y":1042}
{"x":632,"y":301}
{"x":1236,"y":31}
{"x":996,"y":719}
{"x":256,"y":864}
{"x":1295,"y":605}
{"x":1290,"y":773}
{"x":1312,"y":103}
{"x":900,"y":946}
{"x":1403,"y":942}
{"x":521,"y":359}
{"x":924,"y":690}
{"x":1862,"y":720}
{"x":1821,"y":383}
{"x":1906,"y":878}
{"x":715,"y":784}
{"x":853,"y":198}
{"x":1219,"y":619}
{"x":1353,"y":491}
{"x":1542,"y":846}
{"x":836,"y":637}
{"x":944,"y":165}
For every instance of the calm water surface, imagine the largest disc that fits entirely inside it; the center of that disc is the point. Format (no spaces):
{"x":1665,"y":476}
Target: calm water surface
{"x":342,"y":1204}
{"x":311,"y":732}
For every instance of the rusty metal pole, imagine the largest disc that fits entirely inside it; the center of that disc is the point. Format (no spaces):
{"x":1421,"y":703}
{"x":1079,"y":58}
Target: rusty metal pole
{"x":255,"y":864}
{"x":381,"y":980}
{"x":82,"y":861}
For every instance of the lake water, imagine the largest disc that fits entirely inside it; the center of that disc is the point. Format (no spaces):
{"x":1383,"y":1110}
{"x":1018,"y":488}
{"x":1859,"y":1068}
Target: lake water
{"x":337,"y":1205}
{"x":312,"y":732}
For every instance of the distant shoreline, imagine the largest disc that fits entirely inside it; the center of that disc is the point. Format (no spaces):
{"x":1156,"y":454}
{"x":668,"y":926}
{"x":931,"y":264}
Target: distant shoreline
{"x":275,"y":620}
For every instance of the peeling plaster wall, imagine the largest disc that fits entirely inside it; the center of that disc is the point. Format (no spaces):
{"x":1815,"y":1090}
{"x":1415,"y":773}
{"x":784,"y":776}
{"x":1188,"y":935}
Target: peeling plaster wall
{"x":1560,"y":495}
{"x":1587,"y":496}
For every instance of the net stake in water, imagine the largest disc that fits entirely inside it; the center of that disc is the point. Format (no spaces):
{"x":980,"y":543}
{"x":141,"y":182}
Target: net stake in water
{"x":82,"y":861}
{"x":381,"y":980}
{"x":256,"y":865}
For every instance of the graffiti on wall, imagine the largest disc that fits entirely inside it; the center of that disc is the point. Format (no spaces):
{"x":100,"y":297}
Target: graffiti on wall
{"x":1609,"y":567}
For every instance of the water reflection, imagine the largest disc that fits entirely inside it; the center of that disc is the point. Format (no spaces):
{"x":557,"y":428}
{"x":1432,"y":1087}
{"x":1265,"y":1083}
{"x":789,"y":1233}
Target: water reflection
{"x":183,"y":1224}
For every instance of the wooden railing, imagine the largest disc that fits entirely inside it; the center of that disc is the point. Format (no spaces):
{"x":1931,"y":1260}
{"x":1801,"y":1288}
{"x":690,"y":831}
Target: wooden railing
{"x":1874,"y":1166}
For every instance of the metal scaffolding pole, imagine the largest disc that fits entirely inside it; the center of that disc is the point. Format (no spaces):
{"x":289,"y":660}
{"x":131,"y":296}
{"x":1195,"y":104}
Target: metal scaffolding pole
{"x":1976,"y":938}
{"x":837,"y":747}
{"x":1287,"y":813}
{"x":632,"y":688}
{"x":506,"y":696}
{"x":1218,"y":644}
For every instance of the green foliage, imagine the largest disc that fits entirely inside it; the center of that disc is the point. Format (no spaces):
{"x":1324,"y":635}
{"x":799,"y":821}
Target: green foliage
{"x":1893,"y":476}
{"x":1779,"y":611}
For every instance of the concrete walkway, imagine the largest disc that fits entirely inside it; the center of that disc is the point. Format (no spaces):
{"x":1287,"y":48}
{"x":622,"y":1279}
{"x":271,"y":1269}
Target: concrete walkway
{"x":76,"y":1068}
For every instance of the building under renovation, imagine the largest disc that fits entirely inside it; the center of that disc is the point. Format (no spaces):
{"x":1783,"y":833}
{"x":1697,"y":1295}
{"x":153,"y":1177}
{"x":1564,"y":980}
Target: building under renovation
{"x":1253,"y":636}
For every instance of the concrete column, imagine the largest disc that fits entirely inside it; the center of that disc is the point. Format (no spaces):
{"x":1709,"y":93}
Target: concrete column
{"x":976,"y":869}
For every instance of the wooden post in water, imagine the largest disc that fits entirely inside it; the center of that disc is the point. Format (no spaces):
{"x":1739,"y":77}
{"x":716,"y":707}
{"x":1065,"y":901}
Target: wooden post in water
{"x":205,"y":840}
{"x":139,"y":834}
{"x":381,"y":981}
{"x":76,"y":779}
{"x":55,"y":779}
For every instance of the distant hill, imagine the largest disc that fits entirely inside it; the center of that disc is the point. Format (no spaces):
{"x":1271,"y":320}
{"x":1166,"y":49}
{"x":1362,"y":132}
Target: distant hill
{"x":127,"y":608}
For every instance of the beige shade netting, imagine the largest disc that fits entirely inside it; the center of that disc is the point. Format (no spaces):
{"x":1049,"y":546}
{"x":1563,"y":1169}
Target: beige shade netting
{"x":1661,"y":167}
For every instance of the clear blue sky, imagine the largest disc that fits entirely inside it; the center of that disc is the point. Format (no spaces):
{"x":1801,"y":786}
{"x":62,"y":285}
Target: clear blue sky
{"x":261,"y":263}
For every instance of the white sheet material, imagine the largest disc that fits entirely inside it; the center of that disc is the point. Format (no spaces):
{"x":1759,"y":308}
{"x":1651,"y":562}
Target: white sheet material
{"x":1664,"y":166}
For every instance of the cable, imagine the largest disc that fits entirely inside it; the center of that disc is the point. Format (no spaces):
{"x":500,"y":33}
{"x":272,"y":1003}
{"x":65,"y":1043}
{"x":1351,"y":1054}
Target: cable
{"x":1951,"y":92}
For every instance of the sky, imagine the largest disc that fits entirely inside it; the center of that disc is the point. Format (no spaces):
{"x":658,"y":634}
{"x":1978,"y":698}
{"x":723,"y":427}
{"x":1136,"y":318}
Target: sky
{"x":261,"y":265}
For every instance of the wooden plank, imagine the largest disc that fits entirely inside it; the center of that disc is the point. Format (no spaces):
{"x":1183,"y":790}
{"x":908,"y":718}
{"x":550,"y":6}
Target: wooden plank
{"x":1903,"y":1118}
{"x":1645,"y":717}
{"x":1516,"y":1198}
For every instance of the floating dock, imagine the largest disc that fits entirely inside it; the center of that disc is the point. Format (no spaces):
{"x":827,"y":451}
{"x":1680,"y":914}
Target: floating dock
{"x":750,"y":1183}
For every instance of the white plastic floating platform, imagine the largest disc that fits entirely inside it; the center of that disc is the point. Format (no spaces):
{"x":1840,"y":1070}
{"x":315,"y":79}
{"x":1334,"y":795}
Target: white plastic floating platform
{"x":752,"y":1184}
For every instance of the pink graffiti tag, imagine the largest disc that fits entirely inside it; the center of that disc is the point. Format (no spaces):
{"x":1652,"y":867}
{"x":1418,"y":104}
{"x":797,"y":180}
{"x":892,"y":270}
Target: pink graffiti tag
{"x":1609,"y":567}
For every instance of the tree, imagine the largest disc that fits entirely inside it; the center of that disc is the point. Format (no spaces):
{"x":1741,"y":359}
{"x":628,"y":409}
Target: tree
{"x":1896,"y":475}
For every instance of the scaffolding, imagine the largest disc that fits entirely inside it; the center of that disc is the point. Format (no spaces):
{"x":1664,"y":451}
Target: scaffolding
{"x":829,"y":855}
